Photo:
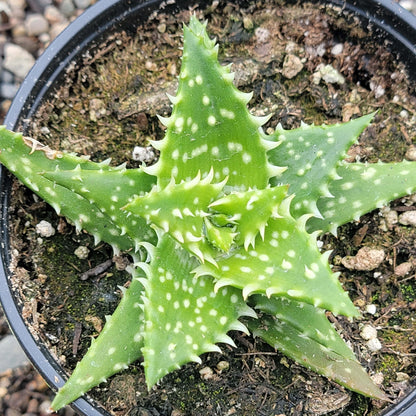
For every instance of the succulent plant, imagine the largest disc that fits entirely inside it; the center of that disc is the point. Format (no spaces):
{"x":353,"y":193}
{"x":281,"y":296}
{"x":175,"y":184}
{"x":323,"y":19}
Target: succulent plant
{"x":222,"y":229}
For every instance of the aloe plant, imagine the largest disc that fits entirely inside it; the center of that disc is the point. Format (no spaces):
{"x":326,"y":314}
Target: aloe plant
{"x":222,"y":229}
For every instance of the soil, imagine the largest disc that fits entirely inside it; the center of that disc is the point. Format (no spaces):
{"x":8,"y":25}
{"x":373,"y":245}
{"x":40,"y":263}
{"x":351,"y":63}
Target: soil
{"x":108,"y":105}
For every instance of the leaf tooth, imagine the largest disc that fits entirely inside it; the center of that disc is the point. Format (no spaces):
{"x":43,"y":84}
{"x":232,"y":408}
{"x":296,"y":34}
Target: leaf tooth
{"x":225,"y":339}
{"x":262,"y":230}
{"x":165,"y":226}
{"x":150,"y":248}
{"x":275,"y":171}
{"x":333,"y":229}
{"x":195,"y":358}
{"x":245,"y":310}
{"x":221,"y":283}
{"x":270,"y":291}
{"x":209,"y":347}
{"x":78,"y":226}
{"x":260,"y":120}
{"x":174,"y":99}
{"x":313,"y":208}
{"x":122,"y":167}
{"x":249,"y":239}
{"x":284,"y":207}
{"x":238,"y":326}
{"x":211,"y":260}
{"x":192,"y":238}
{"x":158,"y":144}
{"x":228,"y":76}
{"x":302,"y":220}
{"x":178,"y":235}
{"x":192,"y":183}
{"x":279,"y":128}
{"x":97,"y":238}
{"x":325,"y":192}
{"x":203,"y":270}
{"x":194,"y":249}
{"x":105,"y":162}
{"x":56,"y":207}
{"x":116,"y":249}
{"x":122,"y":289}
{"x":269,"y":144}
{"x":325,"y":256}
{"x":208,"y":179}
{"x":334,"y":175}
{"x":249,"y":289}
{"x":244,"y":97}
{"x":166,"y":121}
{"x":152,"y":170}
{"x":145,"y":267}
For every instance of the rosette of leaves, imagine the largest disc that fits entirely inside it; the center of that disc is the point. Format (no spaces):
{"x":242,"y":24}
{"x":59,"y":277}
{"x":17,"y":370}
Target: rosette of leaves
{"x":222,"y":229}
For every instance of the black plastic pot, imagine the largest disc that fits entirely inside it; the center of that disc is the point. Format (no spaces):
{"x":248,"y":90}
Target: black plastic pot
{"x":391,"y":23}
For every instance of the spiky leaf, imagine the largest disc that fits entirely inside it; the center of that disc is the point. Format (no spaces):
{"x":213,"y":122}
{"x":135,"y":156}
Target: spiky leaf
{"x":286,"y":263}
{"x":312,"y":154}
{"x":201,"y":316}
{"x":286,"y":337}
{"x":180,"y":209}
{"x":250,"y":210}
{"x":361,"y":189}
{"x":122,"y":185}
{"x":28,"y":160}
{"x":207,"y":108}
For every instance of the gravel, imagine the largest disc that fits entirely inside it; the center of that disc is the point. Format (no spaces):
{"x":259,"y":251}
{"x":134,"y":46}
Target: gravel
{"x":26,"y":28}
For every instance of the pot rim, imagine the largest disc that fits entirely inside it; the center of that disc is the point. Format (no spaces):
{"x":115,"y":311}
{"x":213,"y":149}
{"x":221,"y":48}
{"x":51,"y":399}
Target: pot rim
{"x":391,"y":22}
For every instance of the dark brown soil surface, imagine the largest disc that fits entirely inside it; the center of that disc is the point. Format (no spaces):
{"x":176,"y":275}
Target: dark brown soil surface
{"x":110,"y":105}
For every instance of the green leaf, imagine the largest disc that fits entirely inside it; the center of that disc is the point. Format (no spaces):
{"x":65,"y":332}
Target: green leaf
{"x":286,"y":263}
{"x":29,"y":160}
{"x":250,"y":210}
{"x":185,"y":317}
{"x":180,"y":209}
{"x":207,"y":109}
{"x":361,"y":189}
{"x":312,"y":354}
{"x":118,"y":345}
{"x":307,"y":319}
{"x":312,"y":154}
{"x":121,"y":187}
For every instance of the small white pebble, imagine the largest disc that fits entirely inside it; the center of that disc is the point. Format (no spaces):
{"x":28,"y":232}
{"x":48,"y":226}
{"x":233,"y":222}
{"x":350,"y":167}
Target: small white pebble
{"x":371,"y":309}
{"x":206,"y":373}
{"x":337,"y":49}
{"x":378,"y":90}
{"x":374,"y":344}
{"x":404,"y":114}
{"x":143,"y":154}
{"x":223,"y":366}
{"x":82,"y":252}
{"x":411,"y":153}
{"x":378,"y":378}
{"x":368,"y":332}
{"x":400,"y":376}
{"x":262,"y":34}
{"x":45,"y":229}
{"x":408,"y":218}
